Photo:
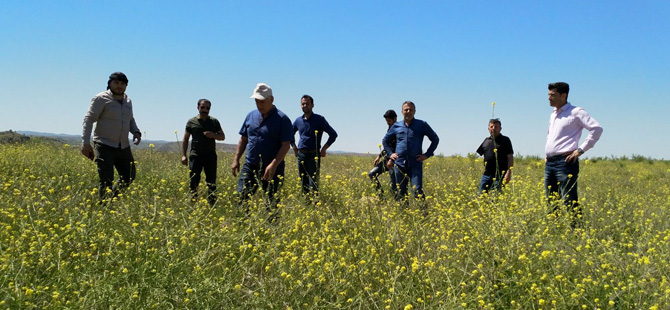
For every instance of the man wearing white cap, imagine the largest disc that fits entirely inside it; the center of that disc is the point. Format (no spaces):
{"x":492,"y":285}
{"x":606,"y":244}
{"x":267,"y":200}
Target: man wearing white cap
{"x":266,"y":135}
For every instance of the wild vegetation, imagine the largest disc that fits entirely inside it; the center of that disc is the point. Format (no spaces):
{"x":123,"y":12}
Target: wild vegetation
{"x":153,"y":248}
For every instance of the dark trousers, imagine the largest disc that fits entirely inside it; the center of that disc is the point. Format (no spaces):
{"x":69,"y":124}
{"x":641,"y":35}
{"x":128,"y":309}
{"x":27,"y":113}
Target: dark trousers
{"x":409,"y":175}
{"x":198,"y":163}
{"x":107,"y":158}
{"x":309,"y":165}
{"x":251,"y":176}
{"x":379,"y":169}
{"x":560,"y":181}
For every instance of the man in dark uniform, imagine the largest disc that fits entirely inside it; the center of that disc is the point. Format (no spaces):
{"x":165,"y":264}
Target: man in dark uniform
{"x":498,"y":158}
{"x":205,"y":131}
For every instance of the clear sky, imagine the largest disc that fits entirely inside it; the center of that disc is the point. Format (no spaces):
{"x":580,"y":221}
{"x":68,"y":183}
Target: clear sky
{"x":356,"y":58}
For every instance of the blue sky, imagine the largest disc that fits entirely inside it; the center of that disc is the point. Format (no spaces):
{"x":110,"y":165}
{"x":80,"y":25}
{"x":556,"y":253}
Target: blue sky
{"x":356,"y":59}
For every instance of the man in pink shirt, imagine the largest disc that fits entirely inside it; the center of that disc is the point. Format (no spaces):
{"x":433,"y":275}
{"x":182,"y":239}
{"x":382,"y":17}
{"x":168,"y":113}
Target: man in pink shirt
{"x":563,"y":149}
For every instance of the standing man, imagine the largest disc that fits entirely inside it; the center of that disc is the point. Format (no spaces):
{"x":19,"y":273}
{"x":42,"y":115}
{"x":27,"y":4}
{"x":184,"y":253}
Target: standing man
{"x":266,"y":134}
{"x":205,"y":131}
{"x":408,"y":156}
{"x":380,"y":161}
{"x":112,"y":111}
{"x":311,"y":127}
{"x":498,"y":158}
{"x":563,"y":150}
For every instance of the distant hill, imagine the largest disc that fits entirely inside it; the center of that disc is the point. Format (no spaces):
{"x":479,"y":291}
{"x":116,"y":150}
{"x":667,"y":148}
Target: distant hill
{"x":17,"y":137}
{"x":12,"y":137}
{"x":159,"y":145}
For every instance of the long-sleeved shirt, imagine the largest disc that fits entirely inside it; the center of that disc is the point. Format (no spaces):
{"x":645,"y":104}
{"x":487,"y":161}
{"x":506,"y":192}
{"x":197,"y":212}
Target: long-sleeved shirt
{"x":114,"y":120}
{"x":565,"y":130}
{"x":265,"y":135}
{"x":409,"y":141}
{"x":309,"y":139}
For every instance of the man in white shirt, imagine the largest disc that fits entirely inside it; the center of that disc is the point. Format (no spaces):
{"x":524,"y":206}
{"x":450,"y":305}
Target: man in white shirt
{"x":563,"y":149}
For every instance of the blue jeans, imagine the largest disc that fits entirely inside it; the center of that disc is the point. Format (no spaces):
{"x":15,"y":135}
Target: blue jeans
{"x":488,"y":184}
{"x":560,"y":178}
{"x":308,"y":168}
{"x":252,"y":175}
{"x":409,"y":175}
{"x":198,"y":163}
{"x":107,"y":158}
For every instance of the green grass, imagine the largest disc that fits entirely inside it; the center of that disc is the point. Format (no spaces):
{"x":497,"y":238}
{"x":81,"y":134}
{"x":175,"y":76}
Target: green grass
{"x":152,"y":248}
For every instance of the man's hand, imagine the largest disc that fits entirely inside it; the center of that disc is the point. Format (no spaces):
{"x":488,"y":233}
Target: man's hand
{"x":376,"y":161}
{"x":87,"y":151}
{"x":184,"y":160}
{"x":235,"y":167}
{"x":209,"y":134}
{"x":137,"y":137}
{"x":323,"y":152}
{"x":269,"y":171}
{"x":572,"y":157}
{"x":507,"y":177}
{"x":421,"y":157}
{"x":392,"y":159}
{"x":295,"y":151}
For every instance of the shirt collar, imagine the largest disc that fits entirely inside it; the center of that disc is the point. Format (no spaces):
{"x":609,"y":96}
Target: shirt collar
{"x":270,"y":113}
{"x":111,"y":95}
{"x":563,"y":108}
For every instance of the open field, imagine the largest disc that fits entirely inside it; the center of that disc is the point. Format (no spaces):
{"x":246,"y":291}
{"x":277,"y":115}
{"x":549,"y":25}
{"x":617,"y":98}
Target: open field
{"x":153,"y":248}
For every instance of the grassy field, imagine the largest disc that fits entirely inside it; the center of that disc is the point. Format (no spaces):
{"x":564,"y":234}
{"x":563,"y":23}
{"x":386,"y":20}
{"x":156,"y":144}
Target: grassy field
{"x":153,"y":248}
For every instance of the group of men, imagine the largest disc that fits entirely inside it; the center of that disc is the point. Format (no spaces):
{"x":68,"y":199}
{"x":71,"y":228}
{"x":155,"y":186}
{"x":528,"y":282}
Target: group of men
{"x":267,"y":134}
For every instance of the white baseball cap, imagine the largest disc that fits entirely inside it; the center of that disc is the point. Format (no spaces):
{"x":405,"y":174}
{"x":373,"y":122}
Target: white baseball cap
{"x":262,"y":92}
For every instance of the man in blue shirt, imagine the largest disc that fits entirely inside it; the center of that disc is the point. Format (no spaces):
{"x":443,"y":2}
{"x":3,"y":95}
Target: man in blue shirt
{"x":311,"y":127}
{"x":408,"y":156}
{"x":266,"y":134}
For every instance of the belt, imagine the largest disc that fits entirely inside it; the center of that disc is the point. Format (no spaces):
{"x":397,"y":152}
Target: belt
{"x":307,"y":151}
{"x":558,"y":157}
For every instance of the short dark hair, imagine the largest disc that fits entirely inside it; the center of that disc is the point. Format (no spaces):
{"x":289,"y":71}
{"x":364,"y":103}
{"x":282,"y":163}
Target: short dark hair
{"x":308,"y":96}
{"x":495,"y":121}
{"x":390,"y":114}
{"x":560,"y":87}
{"x":409,"y":102}
{"x":204,"y":100}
